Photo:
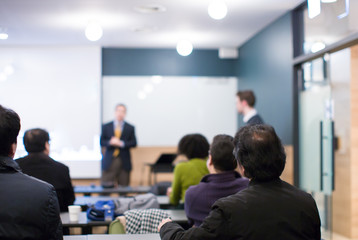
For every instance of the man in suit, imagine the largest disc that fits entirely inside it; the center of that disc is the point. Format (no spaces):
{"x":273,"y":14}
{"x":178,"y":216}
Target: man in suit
{"x":117,"y":138}
{"x":29,"y":206}
{"x":268,"y":209}
{"x":245,"y":103}
{"x":38,"y":164}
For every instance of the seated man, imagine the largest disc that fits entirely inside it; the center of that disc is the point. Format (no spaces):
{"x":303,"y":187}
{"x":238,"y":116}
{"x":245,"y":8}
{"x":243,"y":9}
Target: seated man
{"x":268,"y":209}
{"x":222,"y":181}
{"x":29,"y":207}
{"x":38,"y":164}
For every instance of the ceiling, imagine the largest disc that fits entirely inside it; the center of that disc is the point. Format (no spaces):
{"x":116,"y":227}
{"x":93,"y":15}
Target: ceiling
{"x":62,"y":22}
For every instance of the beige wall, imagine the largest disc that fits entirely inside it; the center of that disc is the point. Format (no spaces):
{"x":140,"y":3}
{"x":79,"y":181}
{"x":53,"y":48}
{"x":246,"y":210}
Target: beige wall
{"x":143,"y":155}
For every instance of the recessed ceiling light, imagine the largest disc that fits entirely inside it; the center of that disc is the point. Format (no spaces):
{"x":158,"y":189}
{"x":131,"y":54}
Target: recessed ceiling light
{"x":217,"y":9}
{"x":93,"y":31}
{"x":150,"y":8}
{"x":184,"y":48}
{"x":317,"y":46}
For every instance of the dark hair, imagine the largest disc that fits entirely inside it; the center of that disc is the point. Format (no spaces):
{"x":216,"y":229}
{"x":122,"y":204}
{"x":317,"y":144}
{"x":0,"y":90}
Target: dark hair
{"x":194,"y":146}
{"x":259,"y":150}
{"x":248,"y":96}
{"x":35,"y":140}
{"x":221,"y":153}
{"x":9,"y":129}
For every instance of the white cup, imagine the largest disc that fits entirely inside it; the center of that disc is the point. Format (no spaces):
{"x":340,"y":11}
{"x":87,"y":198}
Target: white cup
{"x":74,"y":212}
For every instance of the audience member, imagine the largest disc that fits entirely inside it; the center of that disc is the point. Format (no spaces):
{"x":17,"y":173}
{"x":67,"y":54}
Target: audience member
{"x":245,"y":102}
{"x":222,"y":181}
{"x":268,"y":209}
{"x":195,"y":147}
{"x":29,"y":207}
{"x":38,"y":164}
{"x":117,"y":138}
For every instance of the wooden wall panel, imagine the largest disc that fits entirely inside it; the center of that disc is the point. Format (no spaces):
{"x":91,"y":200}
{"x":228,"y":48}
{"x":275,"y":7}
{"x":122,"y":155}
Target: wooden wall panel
{"x":143,"y":155}
{"x":354,"y":142}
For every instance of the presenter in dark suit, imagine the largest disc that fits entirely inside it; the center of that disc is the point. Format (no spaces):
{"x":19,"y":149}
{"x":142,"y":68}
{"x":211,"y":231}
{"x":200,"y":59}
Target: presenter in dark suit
{"x":117,"y":138}
{"x":245,"y":104}
{"x":38,"y":164}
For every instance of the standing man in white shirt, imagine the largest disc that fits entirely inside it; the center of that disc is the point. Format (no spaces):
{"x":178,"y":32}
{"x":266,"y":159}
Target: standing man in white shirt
{"x":245,"y":104}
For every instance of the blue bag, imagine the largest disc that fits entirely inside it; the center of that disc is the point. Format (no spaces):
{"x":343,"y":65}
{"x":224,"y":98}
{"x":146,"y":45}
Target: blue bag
{"x":96,"y":212}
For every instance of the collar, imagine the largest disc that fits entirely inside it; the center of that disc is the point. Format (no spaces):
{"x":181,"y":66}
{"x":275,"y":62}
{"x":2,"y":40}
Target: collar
{"x":221,"y":177}
{"x":117,"y":123}
{"x":7,"y":163}
{"x":249,"y":115}
{"x":269,"y":182}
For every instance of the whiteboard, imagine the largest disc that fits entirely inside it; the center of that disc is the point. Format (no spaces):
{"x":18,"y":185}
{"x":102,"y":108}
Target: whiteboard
{"x":58,"y":89}
{"x":163,"y":109}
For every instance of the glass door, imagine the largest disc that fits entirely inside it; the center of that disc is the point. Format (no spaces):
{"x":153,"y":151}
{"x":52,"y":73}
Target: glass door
{"x":316,"y":138}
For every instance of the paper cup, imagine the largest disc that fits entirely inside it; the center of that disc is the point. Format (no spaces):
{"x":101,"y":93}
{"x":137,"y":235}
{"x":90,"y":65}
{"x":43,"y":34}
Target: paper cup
{"x":74,"y":212}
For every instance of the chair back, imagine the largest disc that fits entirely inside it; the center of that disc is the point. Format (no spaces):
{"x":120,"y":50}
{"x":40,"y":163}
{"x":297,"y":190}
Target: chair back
{"x":116,"y":227}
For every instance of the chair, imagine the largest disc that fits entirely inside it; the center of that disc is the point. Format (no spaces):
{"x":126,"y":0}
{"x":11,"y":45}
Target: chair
{"x":162,"y":165}
{"x":116,"y":227}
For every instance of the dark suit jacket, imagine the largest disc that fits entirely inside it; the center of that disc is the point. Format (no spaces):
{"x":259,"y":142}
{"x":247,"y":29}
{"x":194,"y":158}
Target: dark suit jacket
{"x":256,"y":119}
{"x":129,"y":139}
{"x":29,"y":206}
{"x":41,"y":166}
{"x":263,"y":211}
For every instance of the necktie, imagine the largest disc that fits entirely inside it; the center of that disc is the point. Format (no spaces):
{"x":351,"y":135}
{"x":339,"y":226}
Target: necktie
{"x":117,"y":134}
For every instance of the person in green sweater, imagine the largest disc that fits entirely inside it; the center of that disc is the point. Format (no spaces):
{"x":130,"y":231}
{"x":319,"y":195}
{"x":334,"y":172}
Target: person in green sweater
{"x":195,"y":147}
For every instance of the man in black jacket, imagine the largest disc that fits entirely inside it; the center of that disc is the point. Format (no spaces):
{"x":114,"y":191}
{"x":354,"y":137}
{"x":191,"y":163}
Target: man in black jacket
{"x":29,"y":207}
{"x":245,"y":104}
{"x":268,"y":209}
{"x":38,"y":164}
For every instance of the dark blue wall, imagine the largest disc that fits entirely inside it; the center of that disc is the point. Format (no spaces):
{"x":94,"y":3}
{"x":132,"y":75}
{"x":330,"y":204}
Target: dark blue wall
{"x":265,"y":66}
{"x":166,"y":62}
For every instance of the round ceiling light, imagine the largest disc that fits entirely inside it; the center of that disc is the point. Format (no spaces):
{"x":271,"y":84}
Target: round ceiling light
{"x":217,"y":9}
{"x":317,"y":46}
{"x":93,"y":31}
{"x":184,"y":48}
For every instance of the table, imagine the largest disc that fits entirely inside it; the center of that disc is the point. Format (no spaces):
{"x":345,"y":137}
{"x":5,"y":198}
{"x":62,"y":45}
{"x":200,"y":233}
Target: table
{"x":85,"y":201}
{"x":151,"y":236}
{"x":88,"y":190}
{"x":177,"y":216}
{"x":75,"y":237}
{"x":83,"y":222}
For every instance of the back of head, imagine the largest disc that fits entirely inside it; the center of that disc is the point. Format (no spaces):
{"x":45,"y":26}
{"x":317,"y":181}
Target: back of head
{"x":259,"y":150}
{"x":221,"y":153}
{"x":9,"y":129}
{"x":35,"y":140}
{"x":194,"y":146}
{"x":248,"y":96}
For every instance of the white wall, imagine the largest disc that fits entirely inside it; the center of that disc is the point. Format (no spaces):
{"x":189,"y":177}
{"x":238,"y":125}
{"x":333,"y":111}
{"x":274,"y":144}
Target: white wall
{"x":164,"y":111}
{"x":58,"y":88}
